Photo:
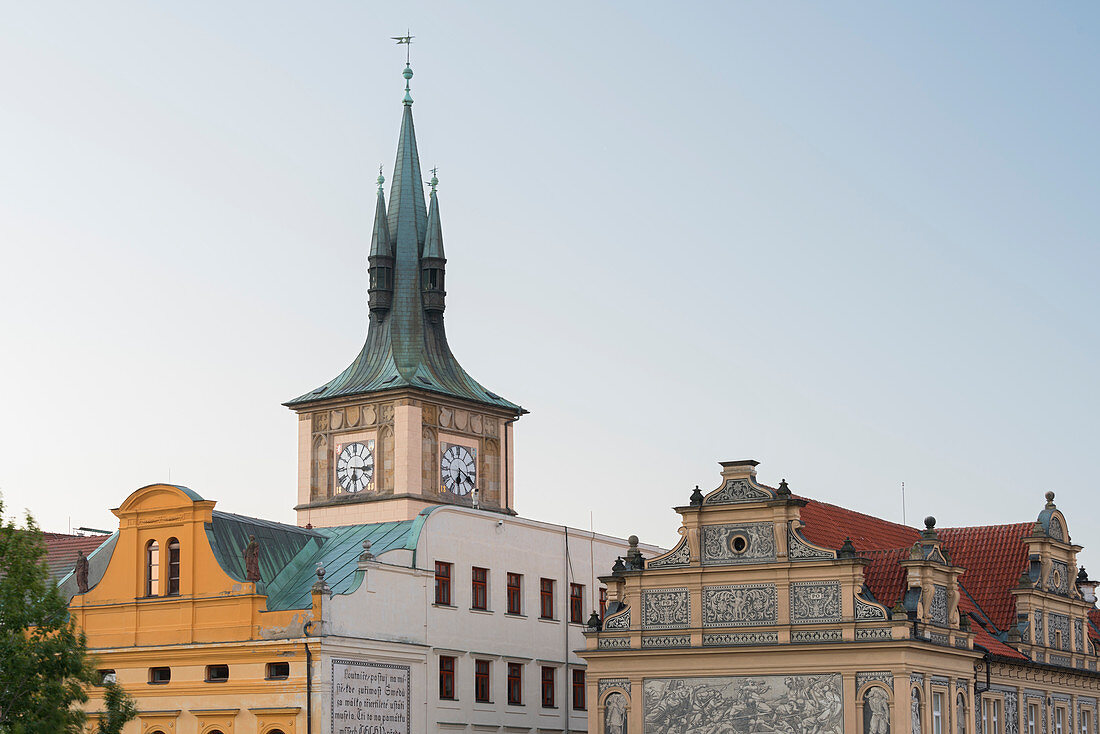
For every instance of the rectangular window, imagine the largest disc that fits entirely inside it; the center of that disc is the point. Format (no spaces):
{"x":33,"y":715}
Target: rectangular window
{"x":546,"y":598}
{"x":443,"y":583}
{"x":480,"y":589}
{"x":173,"y":567}
{"x":278,"y":671}
{"x":160,"y":676}
{"x":152,"y":568}
{"x":1059,"y":720}
{"x":481,"y":681}
{"x":991,"y":716}
{"x":603,"y":602}
{"x":547,"y":687}
{"x":446,"y":677}
{"x":578,"y":690}
{"x":937,"y":713}
{"x":515,"y":593}
{"x":106,"y":676}
{"x":576,"y":603}
{"x":515,"y":684}
{"x":217,"y":673}
{"x":1086,"y":721}
{"x":1032,"y":718}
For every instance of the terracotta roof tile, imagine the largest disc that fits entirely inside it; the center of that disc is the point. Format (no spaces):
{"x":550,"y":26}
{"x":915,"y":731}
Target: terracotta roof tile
{"x":61,"y":550}
{"x":829,"y":525}
{"x":884,"y":575}
{"x":993,"y":645}
{"x":994,"y":556}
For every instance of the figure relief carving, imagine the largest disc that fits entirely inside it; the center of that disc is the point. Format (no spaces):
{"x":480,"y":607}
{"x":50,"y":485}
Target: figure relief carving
{"x":876,"y":711}
{"x":914,"y":710}
{"x":319,"y":479}
{"x":477,"y":423}
{"x":385,"y":450}
{"x":739,"y":605}
{"x":666,"y":608}
{"x":336,"y":419}
{"x":370,"y":415}
{"x":492,"y":427}
{"x":387,"y":412}
{"x":320,"y":422}
{"x":807,"y":704}
{"x":490,"y":471}
{"x":429,"y":414}
{"x":614,"y":714}
{"x":746,"y":543}
{"x":81,"y":572}
{"x":430,"y":461}
{"x":693,"y":544}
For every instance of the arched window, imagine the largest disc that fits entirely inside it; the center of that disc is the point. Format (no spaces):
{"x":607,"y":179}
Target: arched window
{"x":152,"y":568}
{"x":173,"y":588}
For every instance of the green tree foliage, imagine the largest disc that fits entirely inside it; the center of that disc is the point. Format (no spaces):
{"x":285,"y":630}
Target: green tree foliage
{"x":44,"y":668}
{"x":118,"y":709}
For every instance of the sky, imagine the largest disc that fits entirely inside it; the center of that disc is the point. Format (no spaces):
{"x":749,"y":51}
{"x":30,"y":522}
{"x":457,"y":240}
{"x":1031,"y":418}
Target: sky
{"x":857,"y":242}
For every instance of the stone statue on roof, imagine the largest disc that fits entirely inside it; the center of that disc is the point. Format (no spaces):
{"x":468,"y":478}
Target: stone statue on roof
{"x":252,"y":559}
{"x":81,"y":571}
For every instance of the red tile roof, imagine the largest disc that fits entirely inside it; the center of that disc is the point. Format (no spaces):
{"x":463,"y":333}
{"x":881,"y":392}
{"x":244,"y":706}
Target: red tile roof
{"x":61,"y":550}
{"x":829,"y":525}
{"x":994,"y":556}
{"x":884,"y":575}
{"x":993,"y":645}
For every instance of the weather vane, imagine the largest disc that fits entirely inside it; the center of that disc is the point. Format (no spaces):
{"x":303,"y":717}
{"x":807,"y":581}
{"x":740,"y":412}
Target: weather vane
{"x":407,"y":41}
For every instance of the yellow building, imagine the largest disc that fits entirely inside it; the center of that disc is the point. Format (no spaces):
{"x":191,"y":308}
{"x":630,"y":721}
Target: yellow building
{"x":776,"y":613}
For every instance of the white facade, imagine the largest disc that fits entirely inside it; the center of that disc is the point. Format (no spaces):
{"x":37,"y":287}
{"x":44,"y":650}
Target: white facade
{"x":392,"y":619}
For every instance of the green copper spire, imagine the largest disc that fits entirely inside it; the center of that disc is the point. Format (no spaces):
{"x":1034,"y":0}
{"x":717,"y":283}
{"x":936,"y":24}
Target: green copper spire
{"x":406,"y":346}
{"x":408,"y":74}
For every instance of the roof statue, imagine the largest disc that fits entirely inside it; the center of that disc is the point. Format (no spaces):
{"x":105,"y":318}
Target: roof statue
{"x":406,"y":345}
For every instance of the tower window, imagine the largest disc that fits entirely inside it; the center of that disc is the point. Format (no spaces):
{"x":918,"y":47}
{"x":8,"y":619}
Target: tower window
{"x":433,"y":279}
{"x":173,"y":567}
{"x":152,"y":568}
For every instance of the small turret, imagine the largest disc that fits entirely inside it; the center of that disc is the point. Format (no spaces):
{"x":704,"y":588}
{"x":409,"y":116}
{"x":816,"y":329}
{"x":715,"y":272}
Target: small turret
{"x":432,"y":262}
{"x":380,"y":292}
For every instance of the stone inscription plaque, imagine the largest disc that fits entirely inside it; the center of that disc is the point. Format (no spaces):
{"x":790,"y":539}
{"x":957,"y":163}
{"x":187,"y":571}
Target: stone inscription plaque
{"x":370,"y":698}
{"x":806,"y":704}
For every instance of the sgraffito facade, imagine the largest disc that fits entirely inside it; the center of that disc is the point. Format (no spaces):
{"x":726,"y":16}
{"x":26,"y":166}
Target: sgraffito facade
{"x":776,"y":613}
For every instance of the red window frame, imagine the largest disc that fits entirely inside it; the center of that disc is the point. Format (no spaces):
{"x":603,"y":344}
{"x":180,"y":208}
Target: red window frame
{"x":481,"y":681}
{"x":578,"y":690}
{"x":515,"y":591}
{"x":515,"y":684}
{"x":576,"y":603}
{"x":547,"y":687}
{"x":443,"y":583}
{"x":480,"y":591}
{"x":546,"y":598}
{"x":603,"y":602}
{"x":446,"y":677}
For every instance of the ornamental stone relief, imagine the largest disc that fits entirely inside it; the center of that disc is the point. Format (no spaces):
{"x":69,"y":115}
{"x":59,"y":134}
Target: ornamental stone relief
{"x":618,"y":621}
{"x":739,"y":605}
{"x":1056,"y":531}
{"x":1078,"y":635}
{"x":607,"y":683}
{"x":1058,"y":579}
{"x":1058,"y":623}
{"x":938,"y":607}
{"x":732,"y":639}
{"x":1039,"y":626}
{"x":613,"y":643}
{"x":738,"y":490}
{"x":800,"y":549}
{"x":873,"y":633}
{"x":867,"y":610}
{"x":666,"y":608}
{"x":1012,"y":714}
{"x":677,"y":557}
{"x":814,"y":636}
{"x":747,"y":543}
{"x":666,"y":641}
{"x":882,"y":676}
{"x":815,"y":601}
{"x":809,"y":704}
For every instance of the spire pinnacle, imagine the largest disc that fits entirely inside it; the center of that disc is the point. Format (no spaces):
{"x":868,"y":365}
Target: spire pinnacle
{"x":435,"y":181}
{"x":381,"y":179}
{"x":406,"y":41}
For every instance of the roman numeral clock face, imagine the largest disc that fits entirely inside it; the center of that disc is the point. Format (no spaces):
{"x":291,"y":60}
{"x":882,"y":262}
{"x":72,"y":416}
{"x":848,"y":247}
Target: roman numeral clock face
{"x":458,"y":469}
{"x":355,"y":466}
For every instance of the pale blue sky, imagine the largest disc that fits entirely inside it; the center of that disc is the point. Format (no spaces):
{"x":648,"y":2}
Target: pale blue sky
{"x":854,"y":241}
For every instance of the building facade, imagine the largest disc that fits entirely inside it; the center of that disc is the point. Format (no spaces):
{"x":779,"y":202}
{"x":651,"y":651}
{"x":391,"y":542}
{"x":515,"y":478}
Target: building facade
{"x":777,"y":613}
{"x":409,"y":597}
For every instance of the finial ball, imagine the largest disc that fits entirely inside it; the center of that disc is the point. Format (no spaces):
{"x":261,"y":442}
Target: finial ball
{"x":929,"y":522}
{"x":1050,"y":496}
{"x":633,"y":540}
{"x":408,"y":72}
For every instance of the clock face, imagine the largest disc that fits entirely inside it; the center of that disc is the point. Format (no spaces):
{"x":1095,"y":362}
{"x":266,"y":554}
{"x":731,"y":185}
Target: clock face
{"x":458,"y":469}
{"x":355,"y":466}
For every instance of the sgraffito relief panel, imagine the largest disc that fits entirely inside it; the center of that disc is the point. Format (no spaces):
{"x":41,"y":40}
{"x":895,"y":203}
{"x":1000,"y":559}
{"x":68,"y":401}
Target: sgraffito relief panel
{"x":738,"y":490}
{"x":938,"y":608}
{"x":1038,"y":626}
{"x":724,"y":639}
{"x":815,"y":601}
{"x":876,"y":711}
{"x":867,"y":610}
{"x":739,"y":605}
{"x":1058,"y":579}
{"x":614,"y":714}
{"x":1078,"y":635}
{"x":799,"y":549}
{"x":613,"y":643}
{"x":666,"y":608}
{"x":1058,"y":631}
{"x":730,"y":544}
{"x":620,"y":621}
{"x":743,"y":704}
{"x":676,"y":558}
{"x":659,"y":641}
{"x":1012,"y":714}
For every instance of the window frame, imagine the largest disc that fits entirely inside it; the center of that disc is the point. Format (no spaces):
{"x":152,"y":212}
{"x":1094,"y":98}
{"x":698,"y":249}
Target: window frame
{"x":546,"y":598}
{"x":603,"y":602}
{"x":576,"y":603}
{"x":937,"y":712}
{"x":547,"y":678}
{"x":152,"y":568}
{"x":447,"y":678}
{"x":1032,"y":717}
{"x":580,"y":698}
{"x":515,"y":684}
{"x":172,"y":583}
{"x":515,"y":593}
{"x":444,"y":573}
{"x":268,"y":675}
{"x":479,"y":589}
{"x":483,"y":692}
{"x":1060,"y":718}
{"x":154,"y":677}
{"x":209,"y":677}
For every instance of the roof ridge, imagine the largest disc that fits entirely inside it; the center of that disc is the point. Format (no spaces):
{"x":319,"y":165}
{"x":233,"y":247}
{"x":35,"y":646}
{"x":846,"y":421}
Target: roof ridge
{"x":1027,"y":524}
{"x":858,"y":512}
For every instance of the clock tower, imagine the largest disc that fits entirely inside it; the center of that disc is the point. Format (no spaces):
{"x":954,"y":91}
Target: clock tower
{"x":404,"y":427}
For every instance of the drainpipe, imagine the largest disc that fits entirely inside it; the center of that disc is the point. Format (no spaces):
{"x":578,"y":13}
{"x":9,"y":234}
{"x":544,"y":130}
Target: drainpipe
{"x":309,"y":680}
{"x":507,"y":488}
{"x":566,"y":687}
